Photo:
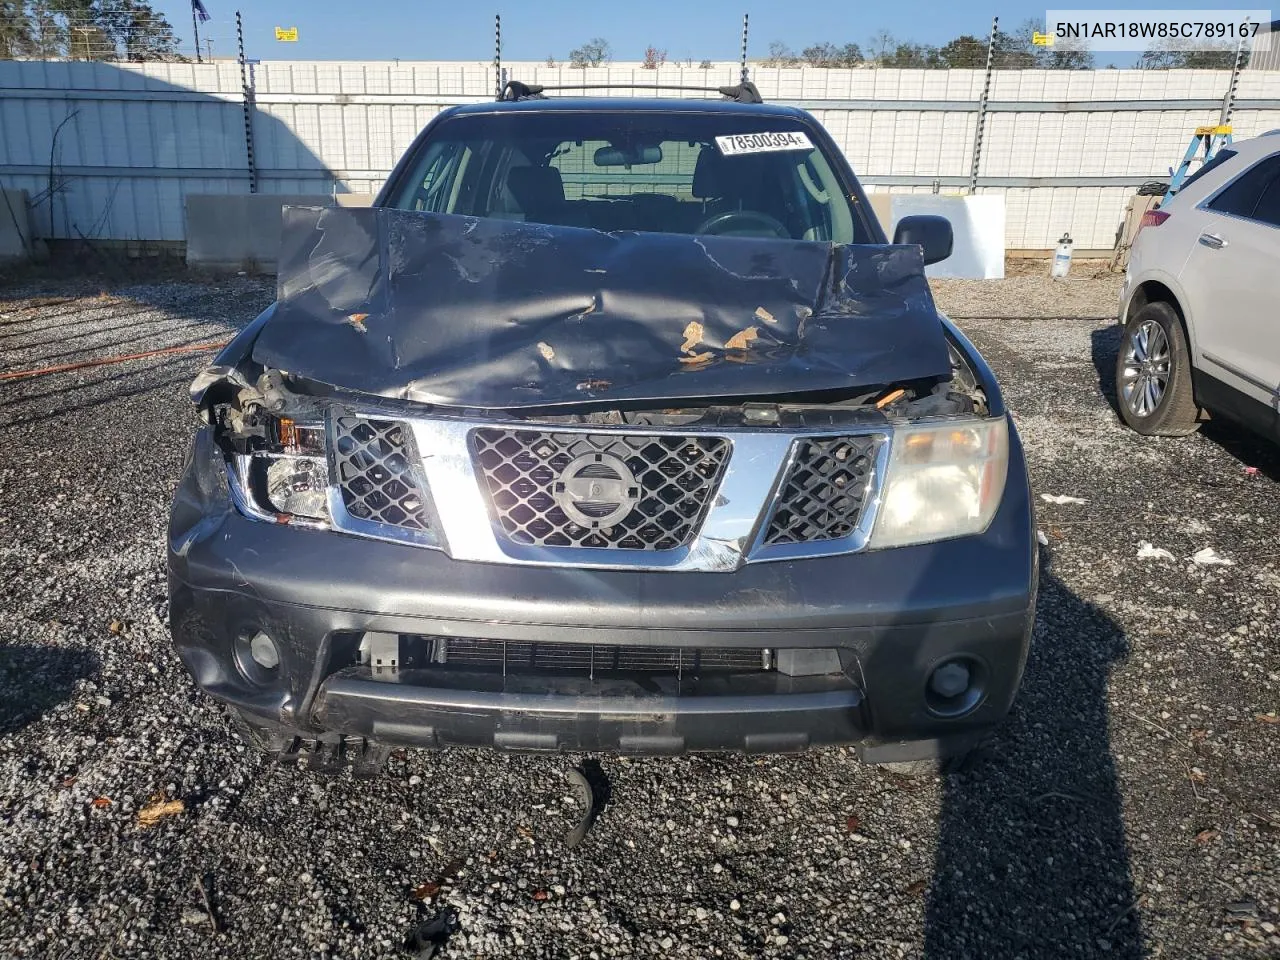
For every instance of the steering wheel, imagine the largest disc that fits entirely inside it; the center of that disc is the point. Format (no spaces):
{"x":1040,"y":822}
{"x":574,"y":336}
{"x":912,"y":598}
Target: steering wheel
{"x":740,"y":222}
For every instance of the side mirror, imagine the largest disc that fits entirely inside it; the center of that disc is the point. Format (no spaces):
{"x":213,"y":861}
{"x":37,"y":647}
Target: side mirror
{"x":932,"y":233}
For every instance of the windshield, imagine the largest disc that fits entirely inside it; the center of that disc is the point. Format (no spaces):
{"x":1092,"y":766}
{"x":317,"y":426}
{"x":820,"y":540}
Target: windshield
{"x":721,"y":174}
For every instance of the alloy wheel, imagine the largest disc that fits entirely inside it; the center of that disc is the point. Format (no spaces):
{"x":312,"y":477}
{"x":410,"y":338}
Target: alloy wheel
{"x":1147,"y":366}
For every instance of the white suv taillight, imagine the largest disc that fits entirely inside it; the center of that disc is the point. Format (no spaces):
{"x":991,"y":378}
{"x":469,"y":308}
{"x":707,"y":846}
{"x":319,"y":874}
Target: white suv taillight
{"x":1153,"y":218}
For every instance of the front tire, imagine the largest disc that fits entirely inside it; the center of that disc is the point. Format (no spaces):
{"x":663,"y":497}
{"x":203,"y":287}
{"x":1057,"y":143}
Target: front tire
{"x":1153,"y":374}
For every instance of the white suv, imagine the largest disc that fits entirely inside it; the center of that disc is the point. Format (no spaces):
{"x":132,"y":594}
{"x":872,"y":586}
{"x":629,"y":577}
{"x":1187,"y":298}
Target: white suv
{"x":1201,"y":300}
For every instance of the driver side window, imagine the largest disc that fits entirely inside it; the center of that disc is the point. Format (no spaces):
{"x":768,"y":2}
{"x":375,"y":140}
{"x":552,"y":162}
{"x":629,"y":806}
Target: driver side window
{"x":438,"y":179}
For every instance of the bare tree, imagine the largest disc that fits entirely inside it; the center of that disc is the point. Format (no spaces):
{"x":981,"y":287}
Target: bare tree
{"x":830,"y":55}
{"x":596,"y":52}
{"x":1063,"y":55}
{"x":654,"y":58}
{"x":47,"y":30}
{"x":780,"y":55}
{"x":881,"y":45}
{"x":1166,"y":59}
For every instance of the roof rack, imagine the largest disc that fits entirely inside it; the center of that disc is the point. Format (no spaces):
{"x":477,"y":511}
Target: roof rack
{"x":744,"y":92}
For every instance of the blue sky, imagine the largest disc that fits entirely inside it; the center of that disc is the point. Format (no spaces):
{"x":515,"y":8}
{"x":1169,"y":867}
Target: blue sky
{"x":422,"y":30}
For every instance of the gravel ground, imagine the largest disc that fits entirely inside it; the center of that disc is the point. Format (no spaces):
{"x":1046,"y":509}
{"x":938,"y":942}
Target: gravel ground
{"x":1129,"y":807}
{"x":1090,"y":291}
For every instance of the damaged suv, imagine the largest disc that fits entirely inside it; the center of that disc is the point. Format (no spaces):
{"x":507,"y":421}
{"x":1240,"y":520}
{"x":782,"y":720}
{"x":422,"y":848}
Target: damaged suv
{"x":613,"y":425}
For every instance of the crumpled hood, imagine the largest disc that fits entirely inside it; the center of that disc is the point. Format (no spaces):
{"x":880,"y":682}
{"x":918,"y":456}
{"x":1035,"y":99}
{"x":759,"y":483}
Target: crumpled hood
{"x":499,"y":314}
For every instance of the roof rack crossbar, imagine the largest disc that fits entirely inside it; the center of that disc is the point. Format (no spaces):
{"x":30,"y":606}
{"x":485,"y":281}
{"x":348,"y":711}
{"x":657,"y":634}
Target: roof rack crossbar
{"x":745,"y":92}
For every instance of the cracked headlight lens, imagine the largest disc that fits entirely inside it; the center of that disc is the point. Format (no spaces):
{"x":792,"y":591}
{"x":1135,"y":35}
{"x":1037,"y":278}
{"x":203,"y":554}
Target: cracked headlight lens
{"x":288,"y":481}
{"x":944,"y":480}
{"x":297,"y":486}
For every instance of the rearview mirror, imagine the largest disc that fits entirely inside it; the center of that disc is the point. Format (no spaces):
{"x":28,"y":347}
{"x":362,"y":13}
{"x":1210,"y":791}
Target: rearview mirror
{"x":628,"y":156}
{"x":932,"y":233}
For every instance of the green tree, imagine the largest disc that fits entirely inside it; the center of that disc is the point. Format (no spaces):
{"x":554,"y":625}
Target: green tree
{"x":913,"y":56}
{"x":16,"y":39}
{"x":965,"y":52}
{"x":102,"y":30}
{"x":137,"y":31}
{"x":1013,"y":51}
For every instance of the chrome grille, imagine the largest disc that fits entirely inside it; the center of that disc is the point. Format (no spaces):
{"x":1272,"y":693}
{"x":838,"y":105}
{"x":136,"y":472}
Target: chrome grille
{"x":526,"y":472}
{"x":516,"y":657}
{"x":824,"y":490}
{"x":376,"y":473}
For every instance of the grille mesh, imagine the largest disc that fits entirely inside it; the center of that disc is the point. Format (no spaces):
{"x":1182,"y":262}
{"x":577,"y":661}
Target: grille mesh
{"x":824,"y":491}
{"x":592,"y":659}
{"x":525,"y":470}
{"x":375,"y":472}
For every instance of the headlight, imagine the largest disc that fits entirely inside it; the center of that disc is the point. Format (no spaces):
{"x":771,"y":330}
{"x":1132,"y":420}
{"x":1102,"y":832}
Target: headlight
{"x":288,"y":481}
{"x":943,"y":480}
{"x":297,"y":486}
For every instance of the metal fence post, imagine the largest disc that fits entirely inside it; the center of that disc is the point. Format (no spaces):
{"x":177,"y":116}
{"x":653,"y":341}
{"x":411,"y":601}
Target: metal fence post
{"x":497,"y":56}
{"x":982,"y":109}
{"x":1229,"y":101}
{"x":247,"y":97}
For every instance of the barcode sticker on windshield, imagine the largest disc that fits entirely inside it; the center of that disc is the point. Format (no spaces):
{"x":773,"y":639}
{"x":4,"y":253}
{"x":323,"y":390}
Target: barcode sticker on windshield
{"x":762,"y":142}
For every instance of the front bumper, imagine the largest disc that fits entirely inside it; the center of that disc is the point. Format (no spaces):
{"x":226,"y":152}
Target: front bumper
{"x":893,"y":614}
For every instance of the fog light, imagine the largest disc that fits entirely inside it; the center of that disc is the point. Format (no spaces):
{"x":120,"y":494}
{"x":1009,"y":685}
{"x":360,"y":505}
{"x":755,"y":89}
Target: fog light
{"x":949,"y":680}
{"x":956,"y":687}
{"x":263,"y":650}
{"x":257,"y":657}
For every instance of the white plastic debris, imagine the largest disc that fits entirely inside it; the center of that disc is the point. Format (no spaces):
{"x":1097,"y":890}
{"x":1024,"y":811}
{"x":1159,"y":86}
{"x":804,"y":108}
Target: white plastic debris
{"x":1208,"y":557}
{"x":1147,"y":552}
{"x":1041,"y":538}
{"x":1060,"y":499}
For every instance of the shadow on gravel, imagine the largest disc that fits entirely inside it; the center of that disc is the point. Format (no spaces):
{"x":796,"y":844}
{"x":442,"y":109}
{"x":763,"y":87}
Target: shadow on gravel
{"x":1247,"y":447}
{"x":1104,"y":343}
{"x":35,"y":678}
{"x":1032,"y":857}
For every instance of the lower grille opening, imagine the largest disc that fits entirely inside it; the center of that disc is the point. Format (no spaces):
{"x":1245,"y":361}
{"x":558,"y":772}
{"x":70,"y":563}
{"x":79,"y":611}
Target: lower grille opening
{"x":600,"y":672}
{"x":459,"y":661}
{"x":592,"y":660}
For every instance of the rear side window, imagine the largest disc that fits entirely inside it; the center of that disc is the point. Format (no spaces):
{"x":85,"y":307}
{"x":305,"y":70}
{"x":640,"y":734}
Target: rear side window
{"x":1268,"y":208}
{"x":1241,"y":196}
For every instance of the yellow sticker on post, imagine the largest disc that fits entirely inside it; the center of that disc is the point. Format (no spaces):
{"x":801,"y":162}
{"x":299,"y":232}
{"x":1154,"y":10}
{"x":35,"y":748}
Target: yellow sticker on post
{"x":738,"y":143}
{"x":287,"y":34}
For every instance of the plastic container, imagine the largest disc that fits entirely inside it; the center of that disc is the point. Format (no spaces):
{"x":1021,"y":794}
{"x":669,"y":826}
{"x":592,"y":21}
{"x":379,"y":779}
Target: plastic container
{"x":1062,"y":258}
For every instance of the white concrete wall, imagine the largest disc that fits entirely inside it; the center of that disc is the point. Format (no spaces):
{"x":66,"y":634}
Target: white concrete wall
{"x":139,"y":137}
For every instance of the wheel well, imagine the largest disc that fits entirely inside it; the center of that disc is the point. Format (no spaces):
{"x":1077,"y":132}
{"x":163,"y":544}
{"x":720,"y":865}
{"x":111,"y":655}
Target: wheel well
{"x":1153,"y":291}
